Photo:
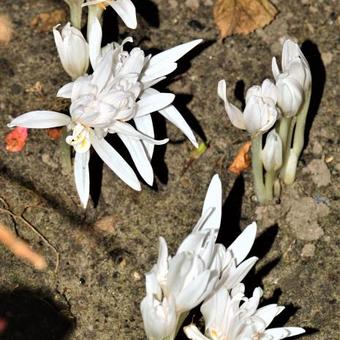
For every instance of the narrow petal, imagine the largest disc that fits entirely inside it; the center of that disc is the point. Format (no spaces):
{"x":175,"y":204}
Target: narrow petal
{"x":139,"y":157}
{"x":145,"y":126}
{"x":127,"y":11}
{"x":213,"y":199}
{"x":268,"y":313}
{"x":115,"y":162}
{"x":95,"y":40}
{"x":154,"y":102}
{"x":81,"y":176}
{"x":275,"y":68}
{"x":234,"y":114}
{"x":40,"y":120}
{"x":162,"y":261}
{"x":128,"y":130}
{"x":242,"y":245}
{"x":157,"y":71}
{"x":283,"y":332}
{"x":66,"y":91}
{"x":193,"y":333}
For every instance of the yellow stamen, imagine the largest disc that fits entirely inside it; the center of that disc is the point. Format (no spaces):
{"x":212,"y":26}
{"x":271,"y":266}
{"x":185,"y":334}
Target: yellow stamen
{"x":101,"y":5}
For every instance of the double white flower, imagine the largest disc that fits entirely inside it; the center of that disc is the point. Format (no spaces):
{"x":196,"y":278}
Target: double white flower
{"x":230,"y":315}
{"x":260,"y":113}
{"x":294,"y":80}
{"x":177,"y":284}
{"x":119,"y":90}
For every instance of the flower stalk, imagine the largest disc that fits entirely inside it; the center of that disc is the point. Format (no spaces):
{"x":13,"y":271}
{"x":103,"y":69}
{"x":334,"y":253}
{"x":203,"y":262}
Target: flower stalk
{"x":257,"y":167}
{"x":76,"y":10}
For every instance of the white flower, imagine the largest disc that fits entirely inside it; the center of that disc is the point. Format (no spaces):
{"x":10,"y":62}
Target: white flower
{"x":198,"y":266}
{"x":260,"y":113}
{"x":118,"y":91}
{"x":294,"y":80}
{"x":73,"y":50}
{"x":124,"y":8}
{"x":230,"y":315}
{"x":272,"y":152}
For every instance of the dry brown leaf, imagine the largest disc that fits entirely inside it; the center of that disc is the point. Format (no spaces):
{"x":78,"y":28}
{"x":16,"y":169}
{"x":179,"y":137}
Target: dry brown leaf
{"x":6,"y":30}
{"x":107,"y":224}
{"x":21,"y":249}
{"x":55,"y":133}
{"x":44,"y":22}
{"x":242,"y":16}
{"x":242,"y":161}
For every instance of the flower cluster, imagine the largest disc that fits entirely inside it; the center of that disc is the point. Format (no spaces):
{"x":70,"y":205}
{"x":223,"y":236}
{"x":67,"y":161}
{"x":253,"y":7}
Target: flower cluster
{"x":205,"y":271}
{"x":118,"y":92}
{"x":284,"y":104}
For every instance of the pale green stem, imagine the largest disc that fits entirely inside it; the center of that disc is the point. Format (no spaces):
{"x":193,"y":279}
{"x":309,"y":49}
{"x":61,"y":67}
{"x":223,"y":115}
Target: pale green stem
{"x":269,"y":184}
{"x":256,"y":150}
{"x":283,"y":130}
{"x":94,"y":11}
{"x":294,"y":153}
{"x":75,"y":13}
{"x":65,"y":153}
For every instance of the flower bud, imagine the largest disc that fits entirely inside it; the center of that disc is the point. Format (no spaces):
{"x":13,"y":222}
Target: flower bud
{"x":290,"y":94}
{"x":73,"y":50}
{"x":272,"y":152}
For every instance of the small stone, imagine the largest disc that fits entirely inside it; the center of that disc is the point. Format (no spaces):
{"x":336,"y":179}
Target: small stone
{"x":136,"y":276}
{"x":327,"y":58}
{"x":317,"y":148}
{"x":308,"y":250}
{"x":319,"y":171}
{"x":192,"y":4}
{"x":46,"y":158}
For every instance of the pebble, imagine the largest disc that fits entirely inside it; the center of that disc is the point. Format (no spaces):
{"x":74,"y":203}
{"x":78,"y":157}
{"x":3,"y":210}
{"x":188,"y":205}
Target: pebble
{"x":327,"y":58}
{"x":308,"y":250}
{"x":319,"y":171}
{"x":192,"y":4}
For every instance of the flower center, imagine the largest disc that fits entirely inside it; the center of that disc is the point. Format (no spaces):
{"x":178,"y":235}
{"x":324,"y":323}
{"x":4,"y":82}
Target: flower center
{"x":80,"y":138}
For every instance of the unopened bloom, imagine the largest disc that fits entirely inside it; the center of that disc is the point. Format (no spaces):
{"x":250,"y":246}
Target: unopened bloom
{"x":198,"y":266}
{"x":294,"y":80}
{"x":230,"y":315}
{"x":272,"y":152}
{"x":124,"y":8}
{"x":118,"y":91}
{"x":260,"y":113}
{"x":73,"y":50}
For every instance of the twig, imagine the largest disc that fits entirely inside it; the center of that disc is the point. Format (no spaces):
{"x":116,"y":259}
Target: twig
{"x":30,"y":226}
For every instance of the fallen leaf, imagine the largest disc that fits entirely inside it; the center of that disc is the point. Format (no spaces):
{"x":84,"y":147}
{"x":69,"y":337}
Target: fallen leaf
{"x":16,"y":139}
{"x":36,"y":89}
{"x":242,"y":16}
{"x":242,"y":161}
{"x":44,"y":22}
{"x":107,"y":224}
{"x":21,"y":249}
{"x":55,"y":133}
{"x":6,"y":30}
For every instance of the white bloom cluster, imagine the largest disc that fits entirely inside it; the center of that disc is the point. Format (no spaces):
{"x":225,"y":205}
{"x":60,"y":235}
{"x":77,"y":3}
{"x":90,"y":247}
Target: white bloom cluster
{"x":203,"y":270}
{"x":285,"y":104}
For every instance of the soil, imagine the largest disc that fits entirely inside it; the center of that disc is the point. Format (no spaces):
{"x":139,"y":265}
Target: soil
{"x":105,"y":250}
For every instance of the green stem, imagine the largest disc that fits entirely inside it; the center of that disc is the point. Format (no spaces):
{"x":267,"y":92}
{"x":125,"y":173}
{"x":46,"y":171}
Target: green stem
{"x":283,"y":130}
{"x":269,"y":184}
{"x":65,"y":153}
{"x":256,"y":150}
{"x":93,"y":12}
{"x":290,"y":165}
{"x":75,"y":13}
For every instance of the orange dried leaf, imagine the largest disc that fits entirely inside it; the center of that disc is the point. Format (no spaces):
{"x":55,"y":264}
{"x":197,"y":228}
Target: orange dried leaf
{"x":241,"y":161}
{"x":54,"y":133}
{"x":242,"y":16}
{"x":44,"y":22}
{"x":16,"y":139}
{"x":21,"y":249}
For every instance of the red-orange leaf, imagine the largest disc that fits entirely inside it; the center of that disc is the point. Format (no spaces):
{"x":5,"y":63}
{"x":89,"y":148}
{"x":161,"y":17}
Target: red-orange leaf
{"x":241,"y":162}
{"x":16,"y":139}
{"x":54,"y":133}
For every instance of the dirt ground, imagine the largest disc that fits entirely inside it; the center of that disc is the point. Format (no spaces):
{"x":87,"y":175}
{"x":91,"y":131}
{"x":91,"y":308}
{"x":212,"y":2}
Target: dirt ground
{"x":105,"y":250}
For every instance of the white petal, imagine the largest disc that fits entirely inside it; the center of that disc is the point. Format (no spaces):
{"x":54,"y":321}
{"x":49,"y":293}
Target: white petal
{"x":174,"y":116}
{"x":95,"y":40}
{"x":284,"y":332}
{"x":115,"y":162}
{"x":275,"y":68}
{"x":154,"y":102}
{"x":127,"y":11}
{"x":193,"y":333}
{"x":134,"y":63}
{"x":40,"y":120}
{"x":139,"y":157}
{"x":192,"y":242}
{"x":66,"y":91}
{"x":103,"y":71}
{"x":235,"y":115}
{"x":242,"y":245}
{"x":173,"y":54}
{"x":268,"y":313}
{"x":157,"y":71}
{"x":81,"y":176}
{"x":130,"y":131}
{"x":213,"y":199}
{"x":144,"y":125}
{"x":162,"y":261}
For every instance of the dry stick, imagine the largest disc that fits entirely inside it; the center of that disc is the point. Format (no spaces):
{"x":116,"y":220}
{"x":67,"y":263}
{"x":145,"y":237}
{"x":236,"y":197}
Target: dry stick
{"x":21,"y":249}
{"x":32,"y":227}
